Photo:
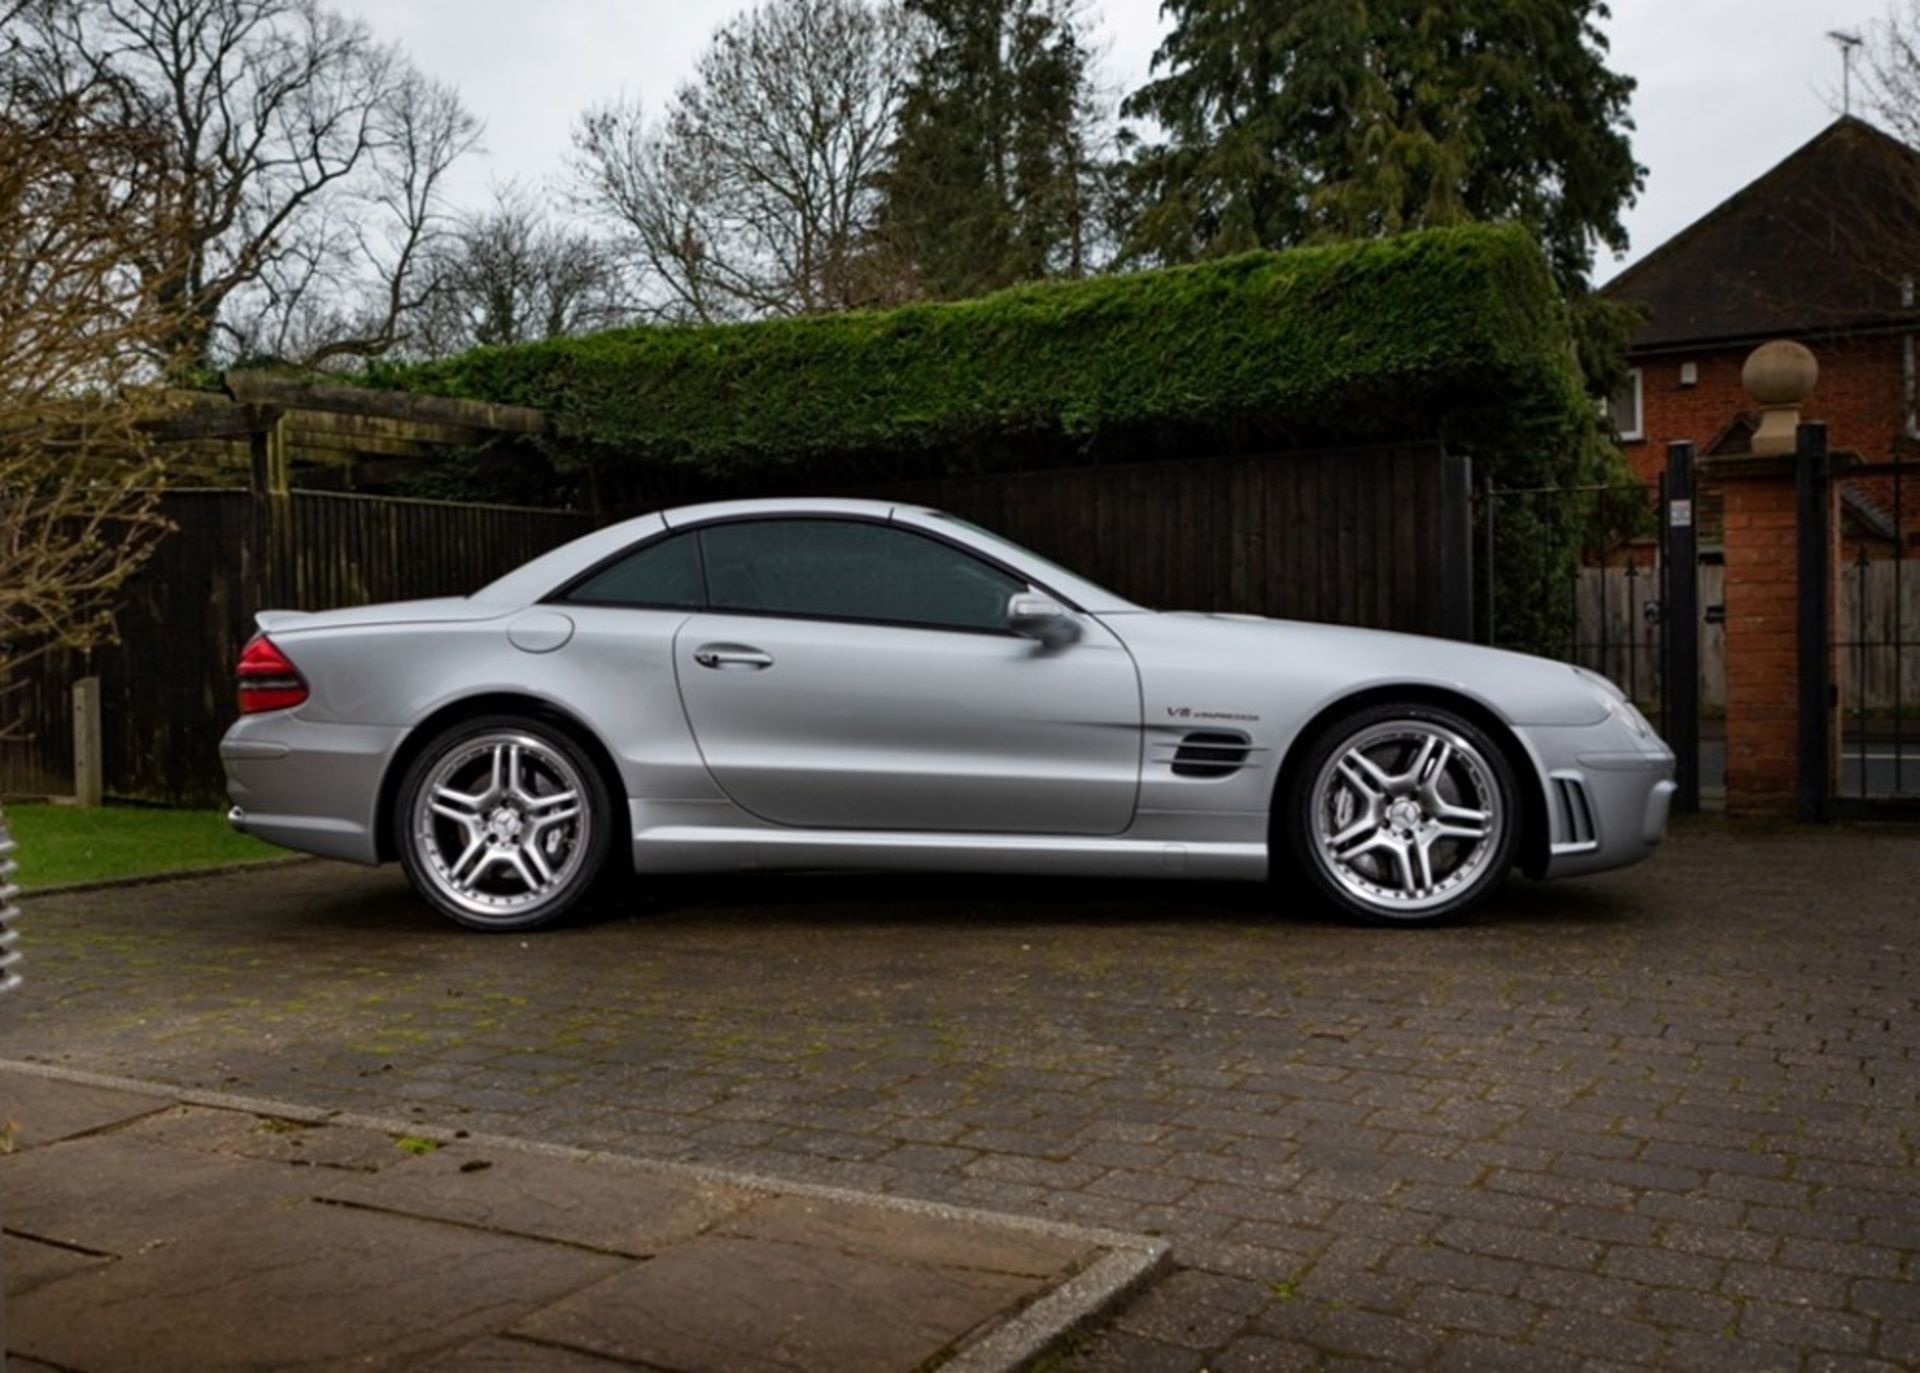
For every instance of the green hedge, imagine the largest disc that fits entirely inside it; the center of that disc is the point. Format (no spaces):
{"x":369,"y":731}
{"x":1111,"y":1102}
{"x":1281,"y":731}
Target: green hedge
{"x":1458,"y":333}
{"x":1392,"y":338}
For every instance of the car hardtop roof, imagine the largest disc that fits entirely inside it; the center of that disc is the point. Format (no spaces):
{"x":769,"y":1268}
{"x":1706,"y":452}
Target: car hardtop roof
{"x":683,"y":515}
{"x":534,"y":580}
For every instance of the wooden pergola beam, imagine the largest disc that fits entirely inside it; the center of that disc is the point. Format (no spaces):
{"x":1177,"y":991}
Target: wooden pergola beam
{"x":261,"y":388}
{"x":214,"y":421}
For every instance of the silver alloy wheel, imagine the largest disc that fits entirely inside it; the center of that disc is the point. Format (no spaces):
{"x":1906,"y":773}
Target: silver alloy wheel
{"x":501,"y":825}
{"x":1406,"y":816}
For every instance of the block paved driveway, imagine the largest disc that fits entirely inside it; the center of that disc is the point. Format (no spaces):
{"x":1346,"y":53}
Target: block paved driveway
{"x":1667,"y":1117}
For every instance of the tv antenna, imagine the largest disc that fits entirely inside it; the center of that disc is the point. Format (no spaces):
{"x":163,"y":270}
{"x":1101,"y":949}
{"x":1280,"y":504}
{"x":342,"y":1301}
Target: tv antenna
{"x":1849,"y":43}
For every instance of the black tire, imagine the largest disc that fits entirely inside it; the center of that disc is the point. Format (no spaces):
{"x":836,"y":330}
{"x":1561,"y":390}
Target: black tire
{"x":1406,"y":858}
{"x":535,"y":865}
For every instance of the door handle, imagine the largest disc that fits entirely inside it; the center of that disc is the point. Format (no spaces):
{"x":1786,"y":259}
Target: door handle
{"x":724,"y":656}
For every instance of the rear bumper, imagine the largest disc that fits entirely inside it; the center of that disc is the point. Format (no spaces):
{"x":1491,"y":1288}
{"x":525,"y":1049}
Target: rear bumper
{"x":308,"y":786}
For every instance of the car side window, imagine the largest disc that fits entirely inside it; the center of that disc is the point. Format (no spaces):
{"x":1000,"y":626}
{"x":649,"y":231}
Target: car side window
{"x":852,"y":570}
{"x":663,"y":573}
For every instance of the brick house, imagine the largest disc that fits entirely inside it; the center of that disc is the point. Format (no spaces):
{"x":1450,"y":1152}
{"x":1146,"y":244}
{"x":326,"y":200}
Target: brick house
{"x":1817,"y":249}
{"x":1824,"y":249}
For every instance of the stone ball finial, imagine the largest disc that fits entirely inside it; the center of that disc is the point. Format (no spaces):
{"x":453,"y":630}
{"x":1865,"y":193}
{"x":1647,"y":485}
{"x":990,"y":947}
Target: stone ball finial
{"x":1780,"y":373}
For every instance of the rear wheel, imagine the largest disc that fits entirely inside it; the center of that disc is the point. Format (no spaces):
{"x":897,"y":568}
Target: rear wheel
{"x":503,"y":823}
{"x":1403,"y":814}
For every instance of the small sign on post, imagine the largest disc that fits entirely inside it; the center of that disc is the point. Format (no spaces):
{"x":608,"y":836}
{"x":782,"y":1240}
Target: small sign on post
{"x":89,"y":787}
{"x":1680,"y":639}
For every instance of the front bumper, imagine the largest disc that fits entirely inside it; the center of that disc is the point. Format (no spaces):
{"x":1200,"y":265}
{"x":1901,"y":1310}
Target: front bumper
{"x":1608,"y":790}
{"x":306,"y":785}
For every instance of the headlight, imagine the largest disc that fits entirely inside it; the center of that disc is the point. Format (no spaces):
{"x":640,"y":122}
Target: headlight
{"x":1604,"y":687}
{"x":1609,"y":694}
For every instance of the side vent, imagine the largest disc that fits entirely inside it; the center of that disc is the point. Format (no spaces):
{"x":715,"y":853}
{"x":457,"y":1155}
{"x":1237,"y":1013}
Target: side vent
{"x":1575,"y":816}
{"x":1211,"y":753}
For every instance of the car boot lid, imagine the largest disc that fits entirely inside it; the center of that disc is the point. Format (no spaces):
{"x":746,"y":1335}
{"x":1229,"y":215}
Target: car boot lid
{"x":439,"y":610}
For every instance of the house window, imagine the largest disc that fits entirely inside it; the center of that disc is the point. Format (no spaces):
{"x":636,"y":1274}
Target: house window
{"x":1623,"y":408}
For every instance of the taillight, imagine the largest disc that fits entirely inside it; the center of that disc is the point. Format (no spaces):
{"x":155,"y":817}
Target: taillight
{"x":268,"y":681}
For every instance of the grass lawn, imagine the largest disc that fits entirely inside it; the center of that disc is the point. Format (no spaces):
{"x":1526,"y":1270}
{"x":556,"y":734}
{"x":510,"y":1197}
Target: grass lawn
{"x":68,"y":844}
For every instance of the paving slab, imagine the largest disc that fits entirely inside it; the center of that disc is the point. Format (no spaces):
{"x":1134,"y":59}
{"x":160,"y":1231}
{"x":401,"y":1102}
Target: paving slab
{"x":620,"y":1211}
{"x":35,"y":1111}
{"x":734,"y":1305}
{"x":504,"y":1354}
{"x":203,"y":1233}
{"x":118,"y":1196}
{"x":271,"y":1139}
{"x":321,"y":1286}
{"x":903,"y":1237}
{"x":30,"y":1264}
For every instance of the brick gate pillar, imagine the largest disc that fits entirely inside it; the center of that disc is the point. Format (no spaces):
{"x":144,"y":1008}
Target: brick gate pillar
{"x":1762,"y":639}
{"x":1763,"y":619}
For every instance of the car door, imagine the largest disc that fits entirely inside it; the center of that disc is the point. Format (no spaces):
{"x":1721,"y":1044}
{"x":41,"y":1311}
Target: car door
{"x":852,"y":674}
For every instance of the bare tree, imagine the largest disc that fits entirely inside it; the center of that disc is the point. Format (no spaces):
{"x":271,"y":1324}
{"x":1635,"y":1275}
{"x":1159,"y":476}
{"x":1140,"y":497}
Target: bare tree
{"x":361,"y":282}
{"x":1877,"y":223}
{"x":513,"y":275}
{"x":755,"y":194}
{"x":303,"y":147}
{"x":89,"y":222}
{"x":1889,"y":77}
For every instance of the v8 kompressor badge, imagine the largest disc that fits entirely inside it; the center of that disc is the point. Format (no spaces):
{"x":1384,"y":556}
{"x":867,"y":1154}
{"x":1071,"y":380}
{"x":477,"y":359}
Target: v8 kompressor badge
{"x":1188,"y":713}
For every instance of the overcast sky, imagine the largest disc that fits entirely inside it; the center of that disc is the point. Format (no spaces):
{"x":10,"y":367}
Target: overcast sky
{"x":1727,"y":87}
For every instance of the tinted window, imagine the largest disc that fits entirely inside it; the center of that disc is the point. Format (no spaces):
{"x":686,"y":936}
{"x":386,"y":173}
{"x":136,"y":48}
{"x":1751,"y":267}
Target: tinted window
{"x":666,"y":573}
{"x":852,"y":571}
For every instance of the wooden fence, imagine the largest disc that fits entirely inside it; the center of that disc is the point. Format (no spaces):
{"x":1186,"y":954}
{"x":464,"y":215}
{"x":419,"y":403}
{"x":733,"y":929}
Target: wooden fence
{"x":167,"y":690}
{"x":1877,"y":632}
{"x":1351,"y":536}
{"x":1612,"y":633}
{"x":1354,"y":537}
{"x":1877,"y":669}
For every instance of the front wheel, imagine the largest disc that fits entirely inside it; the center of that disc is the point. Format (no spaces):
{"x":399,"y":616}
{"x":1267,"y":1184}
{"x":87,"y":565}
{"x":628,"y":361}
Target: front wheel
{"x":1403,"y":814}
{"x":503,"y":823}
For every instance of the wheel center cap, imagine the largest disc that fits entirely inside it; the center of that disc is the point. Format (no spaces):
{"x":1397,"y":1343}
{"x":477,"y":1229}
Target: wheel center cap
{"x":504,"y":824}
{"x":1404,"y":816}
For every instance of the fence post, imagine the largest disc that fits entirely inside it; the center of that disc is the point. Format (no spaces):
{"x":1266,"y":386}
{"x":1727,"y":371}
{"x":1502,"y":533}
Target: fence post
{"x":1814,"y":628}
{"x":1456,"y":546}
{"x":9,"y":979}
{"x":271,"y":471}
{"x":1680,"y":673}
{"x":1489,"y":506}
{"x":88,"y":771}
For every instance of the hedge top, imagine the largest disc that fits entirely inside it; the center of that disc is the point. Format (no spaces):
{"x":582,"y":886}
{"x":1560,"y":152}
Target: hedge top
{"x":1455,"y":333}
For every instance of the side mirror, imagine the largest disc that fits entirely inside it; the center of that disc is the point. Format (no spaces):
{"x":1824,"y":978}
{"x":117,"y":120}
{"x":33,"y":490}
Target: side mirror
{"x":1043,"y":618}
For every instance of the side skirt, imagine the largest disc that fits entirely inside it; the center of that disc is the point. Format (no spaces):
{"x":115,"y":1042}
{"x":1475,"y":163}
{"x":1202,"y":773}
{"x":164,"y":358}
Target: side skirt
{"x":724,"y":848}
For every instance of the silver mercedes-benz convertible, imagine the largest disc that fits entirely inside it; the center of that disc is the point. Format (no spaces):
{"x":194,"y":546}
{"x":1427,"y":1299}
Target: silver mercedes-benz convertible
{"x":786,"y":684}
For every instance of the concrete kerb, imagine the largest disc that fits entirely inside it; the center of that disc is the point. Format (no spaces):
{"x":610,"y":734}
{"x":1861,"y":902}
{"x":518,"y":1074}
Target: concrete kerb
{"x":1012,"y":1344}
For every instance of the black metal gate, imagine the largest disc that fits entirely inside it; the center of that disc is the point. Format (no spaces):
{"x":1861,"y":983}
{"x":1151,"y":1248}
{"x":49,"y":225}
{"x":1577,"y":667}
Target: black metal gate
{"x":1589,"y":575}
{"x":1602,"y":607}
{"x":1876,"y":641}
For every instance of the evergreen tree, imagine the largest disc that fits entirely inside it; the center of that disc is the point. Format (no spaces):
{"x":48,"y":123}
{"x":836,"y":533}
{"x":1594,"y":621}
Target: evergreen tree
{"x":994,"y":169}
{"x":1287,"y":120}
